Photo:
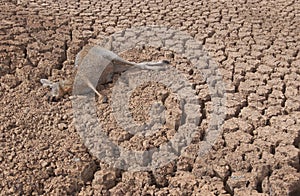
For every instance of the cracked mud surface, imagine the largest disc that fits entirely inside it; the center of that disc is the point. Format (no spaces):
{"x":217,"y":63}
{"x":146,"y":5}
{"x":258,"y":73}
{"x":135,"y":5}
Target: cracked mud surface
{"x":256,"y":46}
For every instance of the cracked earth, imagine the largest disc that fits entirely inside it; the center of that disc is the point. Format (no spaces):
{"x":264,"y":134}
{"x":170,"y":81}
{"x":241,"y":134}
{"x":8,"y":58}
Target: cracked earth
{"x":256,"y":47}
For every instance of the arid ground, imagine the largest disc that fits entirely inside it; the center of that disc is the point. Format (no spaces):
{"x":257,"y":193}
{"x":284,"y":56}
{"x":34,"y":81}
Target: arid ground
{"x":256,"y":46}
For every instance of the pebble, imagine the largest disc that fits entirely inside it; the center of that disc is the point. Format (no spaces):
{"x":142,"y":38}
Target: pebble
{"x":62,"y":126}
{"x":44,"y":163}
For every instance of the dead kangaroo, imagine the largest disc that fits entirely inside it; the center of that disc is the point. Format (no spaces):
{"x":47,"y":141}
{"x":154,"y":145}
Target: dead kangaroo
{"x":90,"y":61}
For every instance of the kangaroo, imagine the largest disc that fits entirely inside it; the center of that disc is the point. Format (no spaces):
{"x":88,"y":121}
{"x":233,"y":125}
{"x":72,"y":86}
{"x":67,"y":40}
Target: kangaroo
{"x":90,"y":60}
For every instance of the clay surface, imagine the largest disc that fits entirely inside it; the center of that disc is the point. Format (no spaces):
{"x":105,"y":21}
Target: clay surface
{"x":256,"y":47}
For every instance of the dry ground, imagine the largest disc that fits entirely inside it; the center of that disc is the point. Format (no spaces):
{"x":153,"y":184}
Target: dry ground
{"x":256,"y":45}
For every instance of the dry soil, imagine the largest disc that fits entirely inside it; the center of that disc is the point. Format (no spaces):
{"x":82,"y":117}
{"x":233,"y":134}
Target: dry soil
{"x":256,"y":46}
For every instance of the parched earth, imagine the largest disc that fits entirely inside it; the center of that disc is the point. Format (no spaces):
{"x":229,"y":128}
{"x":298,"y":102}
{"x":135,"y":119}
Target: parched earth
{"x":256,"y":47}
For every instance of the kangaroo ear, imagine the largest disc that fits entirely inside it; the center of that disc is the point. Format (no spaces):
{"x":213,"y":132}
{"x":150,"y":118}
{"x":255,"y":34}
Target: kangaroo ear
{"x":46,"y":82}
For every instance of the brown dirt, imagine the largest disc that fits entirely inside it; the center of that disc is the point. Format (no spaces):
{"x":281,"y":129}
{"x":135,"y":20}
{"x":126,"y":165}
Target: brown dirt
{"x":256,"y":45}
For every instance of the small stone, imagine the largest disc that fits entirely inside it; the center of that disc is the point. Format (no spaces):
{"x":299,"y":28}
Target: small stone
{"x":62,"y":126}
{"x":107,"y":179}
{"x":254,"y":132}
{"x":87,"y":174}
{"x":44,"y":163}
{"x":64,"y":117}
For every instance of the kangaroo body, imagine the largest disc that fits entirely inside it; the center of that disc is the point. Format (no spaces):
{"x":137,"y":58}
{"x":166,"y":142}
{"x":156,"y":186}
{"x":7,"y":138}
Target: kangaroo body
{"x":90,"y":61}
